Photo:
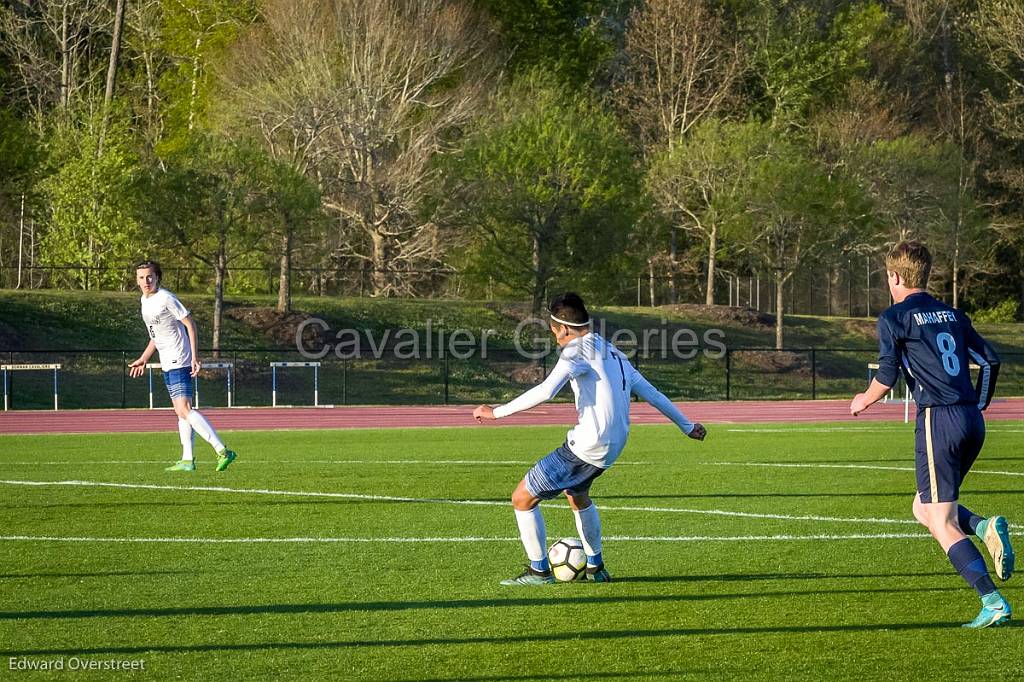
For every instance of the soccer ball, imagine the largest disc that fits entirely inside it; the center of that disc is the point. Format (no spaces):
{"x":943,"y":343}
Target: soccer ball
{"x":568,"y":560}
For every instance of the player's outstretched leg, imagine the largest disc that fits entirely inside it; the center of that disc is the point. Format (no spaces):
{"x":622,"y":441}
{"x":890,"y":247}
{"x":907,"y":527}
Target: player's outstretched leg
{"x":198,"y":423}
{"x":995,"y":533}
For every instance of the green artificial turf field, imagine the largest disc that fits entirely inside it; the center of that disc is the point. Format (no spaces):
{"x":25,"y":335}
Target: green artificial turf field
{"x":376,"y":555}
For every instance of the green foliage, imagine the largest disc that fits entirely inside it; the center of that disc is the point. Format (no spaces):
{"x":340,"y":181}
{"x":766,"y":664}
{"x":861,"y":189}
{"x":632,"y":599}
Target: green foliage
{"x":94,"y":205}
{"x":548,"y":188}
{"x":195,"y":34}
{"x":806,"y":56}
{"x":572,"y":38}
{"x":1007,"y":311}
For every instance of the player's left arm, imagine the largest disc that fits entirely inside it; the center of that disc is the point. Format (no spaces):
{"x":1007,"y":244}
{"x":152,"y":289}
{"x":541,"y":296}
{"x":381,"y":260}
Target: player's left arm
{"x":193,"y":342}
{"x":643,"y":388}
{"x":982,"y":353}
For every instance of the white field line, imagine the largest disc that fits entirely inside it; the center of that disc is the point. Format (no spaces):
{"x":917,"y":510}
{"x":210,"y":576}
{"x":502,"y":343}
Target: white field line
{"x":433,"y":500}
{"x":795,"y":465}
{"x":433,"y":540}
{"x":443,"y":462}
{"x":830,"y":429}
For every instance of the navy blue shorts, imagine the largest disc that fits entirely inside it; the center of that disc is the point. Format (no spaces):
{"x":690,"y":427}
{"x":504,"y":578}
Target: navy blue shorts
{"x":947,"y":440}
{"x":560,"y":471}
{"x":179,"y":383}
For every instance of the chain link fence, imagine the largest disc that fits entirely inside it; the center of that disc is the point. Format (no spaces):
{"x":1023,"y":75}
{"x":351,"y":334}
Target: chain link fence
{"x":95,"y":379}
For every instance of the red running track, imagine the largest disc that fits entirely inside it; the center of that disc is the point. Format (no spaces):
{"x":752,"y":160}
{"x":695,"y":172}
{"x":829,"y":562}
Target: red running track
{"x":269,"y":418}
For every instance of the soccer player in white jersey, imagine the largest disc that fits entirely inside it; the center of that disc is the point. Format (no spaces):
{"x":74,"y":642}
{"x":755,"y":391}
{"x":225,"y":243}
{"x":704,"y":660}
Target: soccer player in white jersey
{"x":602,"y":380}
{"x":172,"y":333}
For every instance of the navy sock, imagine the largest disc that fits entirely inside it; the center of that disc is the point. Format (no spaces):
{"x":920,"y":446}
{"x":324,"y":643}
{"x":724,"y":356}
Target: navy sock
{"x":594,"y":560}
{"x":968,"y":520}
{"x":967,"y":561}
{"x":541,"y":565}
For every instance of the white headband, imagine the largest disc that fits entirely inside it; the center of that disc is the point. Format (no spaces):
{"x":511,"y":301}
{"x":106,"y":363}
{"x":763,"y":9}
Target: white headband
{"x":569,"y":324}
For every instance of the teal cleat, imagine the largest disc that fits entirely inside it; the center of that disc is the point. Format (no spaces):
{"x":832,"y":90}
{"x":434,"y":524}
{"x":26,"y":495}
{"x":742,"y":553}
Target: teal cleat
{"x":531,"y":577}
{"x":225,"y":458}
{"x":992,"y":614}
{"x":995,"y":533}
{"x":183,"y":465}
{"x":598,"y":574}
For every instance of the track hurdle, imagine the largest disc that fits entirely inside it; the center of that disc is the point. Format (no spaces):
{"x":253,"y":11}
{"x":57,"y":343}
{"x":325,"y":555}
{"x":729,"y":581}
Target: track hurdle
{"x":229,"y":366}
{"x":873,"y":367}
{"x":26,"y":368}
{"x":316,"y":379}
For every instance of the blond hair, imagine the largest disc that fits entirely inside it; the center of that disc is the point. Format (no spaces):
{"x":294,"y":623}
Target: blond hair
{"x":912,"y":262}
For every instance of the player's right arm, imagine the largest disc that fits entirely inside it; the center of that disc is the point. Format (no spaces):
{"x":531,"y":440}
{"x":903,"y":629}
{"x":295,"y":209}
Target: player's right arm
{"x":136,"y":368}
{"x":563,"y":370}
{"x":888,"y":369}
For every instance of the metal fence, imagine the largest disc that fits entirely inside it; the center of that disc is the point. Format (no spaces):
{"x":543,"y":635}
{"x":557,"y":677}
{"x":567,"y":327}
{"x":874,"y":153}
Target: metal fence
{"x":99,"y":379}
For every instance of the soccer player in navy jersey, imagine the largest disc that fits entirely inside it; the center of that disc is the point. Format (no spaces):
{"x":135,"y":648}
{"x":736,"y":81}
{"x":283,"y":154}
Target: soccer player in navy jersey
{"x":602,"y":380}
{"x":933,"y":344}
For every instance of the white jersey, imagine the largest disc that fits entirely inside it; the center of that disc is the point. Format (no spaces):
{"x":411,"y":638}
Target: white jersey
{"x":602,"y":380}
{"x":163,"y":314}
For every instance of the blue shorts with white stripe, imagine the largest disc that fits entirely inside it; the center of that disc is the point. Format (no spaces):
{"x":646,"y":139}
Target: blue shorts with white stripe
{"x":947,"y":440}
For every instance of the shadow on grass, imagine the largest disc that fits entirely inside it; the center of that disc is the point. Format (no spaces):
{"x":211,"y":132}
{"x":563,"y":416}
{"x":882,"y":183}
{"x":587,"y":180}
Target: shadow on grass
{"x":754,"y":577}
{"x":385,"y":606}
{"x":573,"y":636}
{"x":97,"y":574}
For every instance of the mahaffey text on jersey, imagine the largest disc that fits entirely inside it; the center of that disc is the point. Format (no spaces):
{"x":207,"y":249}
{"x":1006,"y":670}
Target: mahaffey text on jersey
{"x":934,"y":317}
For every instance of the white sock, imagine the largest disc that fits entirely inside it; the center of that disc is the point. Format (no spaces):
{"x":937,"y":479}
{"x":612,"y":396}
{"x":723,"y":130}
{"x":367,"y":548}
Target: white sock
{"x":588,"y":523}
{"x":185,"y":433}
{"x":531,"y":530}
{"x":205,"y":430}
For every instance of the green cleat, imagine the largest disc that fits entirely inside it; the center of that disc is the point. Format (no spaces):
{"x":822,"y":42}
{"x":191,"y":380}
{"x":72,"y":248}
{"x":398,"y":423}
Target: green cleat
{"x":224,"y":459}
{"x":183,"y":465}
{"x":992,"y":614}
{"x":598,"y":574}
{"x":995,"y":533}
{"x":531,"y":577}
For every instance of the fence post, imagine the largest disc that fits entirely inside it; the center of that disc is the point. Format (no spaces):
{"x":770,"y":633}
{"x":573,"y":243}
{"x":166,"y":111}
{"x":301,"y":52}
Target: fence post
{"x":728,"y":373}
{"x":445,"y":356}
{"x":124,"y":371}
{"x":814,"y":374}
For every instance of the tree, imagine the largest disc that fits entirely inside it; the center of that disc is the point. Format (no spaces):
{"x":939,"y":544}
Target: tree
{"x":700,"y":183}
{"x":51,"y":44}
{"x":547,"y":187}
{"x":569,"y":38}
{"x":227,"y":189}
{"x":93,"y":200}
{"x":361,"y":97}
{"x":679,"y":66}
{"x":796,"y":211}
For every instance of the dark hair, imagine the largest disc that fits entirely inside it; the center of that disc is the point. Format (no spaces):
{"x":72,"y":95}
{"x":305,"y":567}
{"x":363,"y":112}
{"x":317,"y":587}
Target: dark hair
{"x":569,"y":307}
{"x":151,"y":265}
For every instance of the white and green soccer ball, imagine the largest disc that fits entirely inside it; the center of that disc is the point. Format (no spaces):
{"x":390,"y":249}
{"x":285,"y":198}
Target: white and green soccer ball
{"x":568,"y":560}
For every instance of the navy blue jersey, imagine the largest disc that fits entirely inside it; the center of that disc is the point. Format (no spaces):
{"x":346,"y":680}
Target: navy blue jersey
{"x":934,"y":345}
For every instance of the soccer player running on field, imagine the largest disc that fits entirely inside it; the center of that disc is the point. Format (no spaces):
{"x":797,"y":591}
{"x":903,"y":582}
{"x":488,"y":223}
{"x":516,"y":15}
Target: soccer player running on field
{"x":602,"y":380}
{"x":933,"y":344}
{"x":172,"y":332}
